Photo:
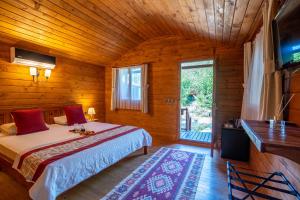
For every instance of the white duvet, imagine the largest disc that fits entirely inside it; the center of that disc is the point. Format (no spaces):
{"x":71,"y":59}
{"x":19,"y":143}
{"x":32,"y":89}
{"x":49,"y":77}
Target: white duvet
{"x":65,"y":173}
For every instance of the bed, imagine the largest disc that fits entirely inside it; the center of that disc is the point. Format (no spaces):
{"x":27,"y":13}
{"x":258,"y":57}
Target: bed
{"x":114,"y":142}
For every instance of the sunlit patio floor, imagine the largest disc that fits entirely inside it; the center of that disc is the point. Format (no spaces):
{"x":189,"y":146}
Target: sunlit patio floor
{"x":199,"y":136}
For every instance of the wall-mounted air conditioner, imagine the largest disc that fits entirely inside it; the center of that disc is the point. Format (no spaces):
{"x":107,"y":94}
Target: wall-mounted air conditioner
{"x":31,"y":59}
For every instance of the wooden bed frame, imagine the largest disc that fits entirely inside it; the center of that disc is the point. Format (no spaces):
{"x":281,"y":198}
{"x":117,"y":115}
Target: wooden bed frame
{"x":6,"y":167}
{"x":49,"y":113}
{"x":6,"y":163}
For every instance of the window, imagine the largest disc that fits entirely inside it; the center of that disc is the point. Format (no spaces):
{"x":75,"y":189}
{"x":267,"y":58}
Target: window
{"x":129,"y":89}
{"x":130,"y":84}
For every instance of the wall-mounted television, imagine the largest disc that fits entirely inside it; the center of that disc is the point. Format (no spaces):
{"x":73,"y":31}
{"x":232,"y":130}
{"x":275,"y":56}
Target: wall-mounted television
{"x":286,"y":35}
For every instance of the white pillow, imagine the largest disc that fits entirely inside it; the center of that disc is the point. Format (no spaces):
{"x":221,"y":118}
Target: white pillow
{"x":2,"y":134}
{"x":9,"y":129}
{"x":61,"y":120}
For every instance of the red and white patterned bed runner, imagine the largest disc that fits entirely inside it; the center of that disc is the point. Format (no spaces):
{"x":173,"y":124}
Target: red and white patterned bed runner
{"x":32,"y":163}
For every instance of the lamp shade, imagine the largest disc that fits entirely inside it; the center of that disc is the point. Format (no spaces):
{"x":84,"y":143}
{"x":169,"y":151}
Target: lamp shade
{"x":47,"y":73}
{"x":91,"y":111}
{"x":33,"y":71}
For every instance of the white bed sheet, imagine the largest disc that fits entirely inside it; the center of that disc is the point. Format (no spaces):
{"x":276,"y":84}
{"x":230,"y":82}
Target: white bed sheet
{"x":56,"y":133}
{"x":65,"y":173}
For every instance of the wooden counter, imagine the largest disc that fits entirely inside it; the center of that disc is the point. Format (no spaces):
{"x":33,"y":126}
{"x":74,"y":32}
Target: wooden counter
{"x":276,"y":141}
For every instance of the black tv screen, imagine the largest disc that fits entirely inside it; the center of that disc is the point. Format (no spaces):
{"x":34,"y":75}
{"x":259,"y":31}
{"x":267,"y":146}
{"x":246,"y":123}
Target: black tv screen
{"x":286,"y":35}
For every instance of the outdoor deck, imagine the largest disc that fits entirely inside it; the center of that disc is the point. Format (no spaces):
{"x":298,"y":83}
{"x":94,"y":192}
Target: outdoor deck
{"x":195,"y":136}
{"x":195,"y":127}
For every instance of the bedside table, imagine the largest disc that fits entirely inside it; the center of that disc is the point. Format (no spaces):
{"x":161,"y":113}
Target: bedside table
{"x":235,"y":144}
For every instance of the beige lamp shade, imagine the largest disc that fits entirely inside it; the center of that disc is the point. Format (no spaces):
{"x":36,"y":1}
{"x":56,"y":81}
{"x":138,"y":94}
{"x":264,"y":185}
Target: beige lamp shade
{"x":33,"y":71}
{"x":91,"y":111}
{"x":47,"y":73}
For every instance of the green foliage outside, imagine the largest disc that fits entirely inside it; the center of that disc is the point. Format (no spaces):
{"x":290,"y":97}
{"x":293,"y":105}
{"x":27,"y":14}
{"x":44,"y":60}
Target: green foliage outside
{"x":197,"y":88}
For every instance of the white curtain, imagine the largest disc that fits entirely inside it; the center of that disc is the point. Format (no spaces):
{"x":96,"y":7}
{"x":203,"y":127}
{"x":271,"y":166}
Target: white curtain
{"x":247,"y":66}
{"x":253,"y":86}
{"x":271,"y":86}
{"x":114,"y":89}
{"x":130,"y":88}
{"x":263,"y":91}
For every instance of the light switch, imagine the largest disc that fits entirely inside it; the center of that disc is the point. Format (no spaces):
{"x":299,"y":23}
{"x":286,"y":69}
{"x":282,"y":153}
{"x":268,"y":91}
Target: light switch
{"x":169,"y":101}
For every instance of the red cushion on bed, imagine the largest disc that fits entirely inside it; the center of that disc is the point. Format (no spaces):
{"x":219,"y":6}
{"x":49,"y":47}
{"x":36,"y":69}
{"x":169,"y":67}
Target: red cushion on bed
{"x":29,"y":121}
{"x":74,"y":114}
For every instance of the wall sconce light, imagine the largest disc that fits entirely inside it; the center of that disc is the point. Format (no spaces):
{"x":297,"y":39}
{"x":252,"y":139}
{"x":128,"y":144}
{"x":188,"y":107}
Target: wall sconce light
{"x":47,"y":73}
{"x":34,"y":73}
{"x":91,"y":112}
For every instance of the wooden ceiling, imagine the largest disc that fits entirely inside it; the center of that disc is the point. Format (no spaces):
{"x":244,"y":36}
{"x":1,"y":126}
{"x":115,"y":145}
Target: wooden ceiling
{"x":100,"y":31}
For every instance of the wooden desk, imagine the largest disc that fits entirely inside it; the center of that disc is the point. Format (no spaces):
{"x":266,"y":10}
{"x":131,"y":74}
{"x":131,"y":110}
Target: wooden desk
{"x":275,"y":141}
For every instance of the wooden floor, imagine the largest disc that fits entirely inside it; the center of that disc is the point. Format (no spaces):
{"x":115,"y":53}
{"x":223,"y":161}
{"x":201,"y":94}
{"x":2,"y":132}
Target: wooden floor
{"x":212,"y":185}
{"x":195,"y":136}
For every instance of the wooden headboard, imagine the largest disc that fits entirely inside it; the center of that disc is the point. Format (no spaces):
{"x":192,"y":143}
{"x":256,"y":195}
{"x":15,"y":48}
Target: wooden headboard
{"x":49,"y":113}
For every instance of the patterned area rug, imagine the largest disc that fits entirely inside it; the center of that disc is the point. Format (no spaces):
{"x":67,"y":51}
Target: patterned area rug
{"x":167,"y":174}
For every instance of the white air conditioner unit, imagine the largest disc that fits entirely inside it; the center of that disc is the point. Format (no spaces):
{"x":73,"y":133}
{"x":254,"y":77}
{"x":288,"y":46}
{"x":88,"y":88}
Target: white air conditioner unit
{"x":31,"y":59}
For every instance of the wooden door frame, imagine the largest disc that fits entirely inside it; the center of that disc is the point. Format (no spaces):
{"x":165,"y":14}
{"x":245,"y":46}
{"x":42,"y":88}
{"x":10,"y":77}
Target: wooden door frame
{"x":214,"y":109}
{"x":211,"y":144}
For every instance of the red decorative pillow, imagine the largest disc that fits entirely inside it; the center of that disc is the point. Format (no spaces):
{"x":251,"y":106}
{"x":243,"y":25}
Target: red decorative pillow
{"x":74,"y":114}
{"x":29,"y":121}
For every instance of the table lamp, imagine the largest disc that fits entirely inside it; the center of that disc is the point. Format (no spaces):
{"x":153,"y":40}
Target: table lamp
{"x":91,"y":112}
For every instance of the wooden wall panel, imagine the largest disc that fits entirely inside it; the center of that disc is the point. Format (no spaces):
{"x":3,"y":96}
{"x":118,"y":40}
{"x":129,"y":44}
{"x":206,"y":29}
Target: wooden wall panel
{"x":294,"y":107}
{"x":164,"y":55}
{"x":70,"y":82}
